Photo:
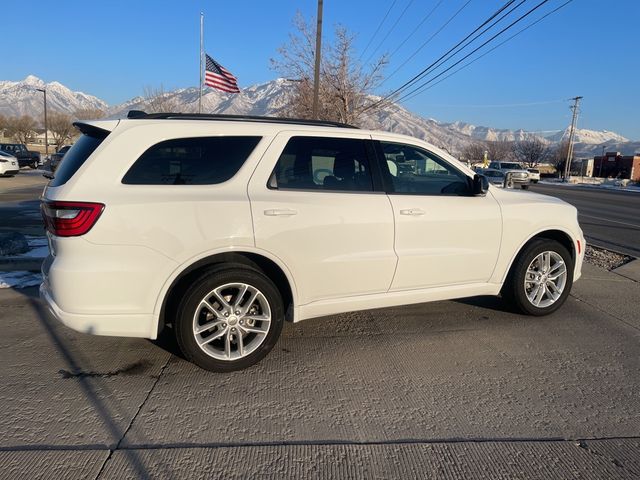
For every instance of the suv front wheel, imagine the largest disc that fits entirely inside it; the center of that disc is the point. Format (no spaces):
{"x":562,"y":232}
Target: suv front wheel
{"x":541,"y":278}
{"x":229,"y":318}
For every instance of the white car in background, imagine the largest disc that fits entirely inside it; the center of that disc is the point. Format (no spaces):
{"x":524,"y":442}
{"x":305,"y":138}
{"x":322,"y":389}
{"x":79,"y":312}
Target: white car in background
{"x":534,"y":175}
{"x":220,"y":228}
{"x":8,"y":164}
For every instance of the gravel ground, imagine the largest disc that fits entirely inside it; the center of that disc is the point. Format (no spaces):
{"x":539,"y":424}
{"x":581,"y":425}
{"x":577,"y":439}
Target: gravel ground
{"x":605,"y":258}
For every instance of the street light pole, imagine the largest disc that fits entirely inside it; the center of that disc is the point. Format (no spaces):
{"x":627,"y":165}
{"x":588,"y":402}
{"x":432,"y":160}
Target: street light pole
{"x":601,"y":161}
{"x":46,"y":130}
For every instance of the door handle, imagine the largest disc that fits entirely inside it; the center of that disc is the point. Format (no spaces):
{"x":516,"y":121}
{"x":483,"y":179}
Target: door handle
{"x":412,"y":211}
{"x":280,"y":212}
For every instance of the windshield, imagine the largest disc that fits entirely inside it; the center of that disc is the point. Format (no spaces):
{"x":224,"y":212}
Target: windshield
{"x":511,"y":166}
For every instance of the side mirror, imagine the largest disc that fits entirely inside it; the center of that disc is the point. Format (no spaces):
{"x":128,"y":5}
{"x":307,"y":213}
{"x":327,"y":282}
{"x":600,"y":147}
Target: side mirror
{"x":480,"y":185}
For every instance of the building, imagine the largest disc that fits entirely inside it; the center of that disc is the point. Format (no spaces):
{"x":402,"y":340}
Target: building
{"x":616,"y":165}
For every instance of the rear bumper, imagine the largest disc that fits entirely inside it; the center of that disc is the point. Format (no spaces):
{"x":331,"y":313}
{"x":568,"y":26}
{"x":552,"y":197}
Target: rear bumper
{"x":112,"y":325}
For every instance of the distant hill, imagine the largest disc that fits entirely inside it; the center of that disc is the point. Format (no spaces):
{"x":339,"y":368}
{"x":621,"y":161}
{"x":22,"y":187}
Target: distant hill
{"x":270,"y":98}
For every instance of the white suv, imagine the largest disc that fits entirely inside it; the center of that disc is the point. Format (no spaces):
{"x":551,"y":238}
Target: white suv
{"x":221,"y":228}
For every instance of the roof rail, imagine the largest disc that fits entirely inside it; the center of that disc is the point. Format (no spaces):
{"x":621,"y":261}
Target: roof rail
{"x":140,"y":115}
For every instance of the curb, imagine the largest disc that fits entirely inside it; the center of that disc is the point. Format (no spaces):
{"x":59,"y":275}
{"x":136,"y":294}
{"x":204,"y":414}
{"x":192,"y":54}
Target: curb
{"x":629,"y":270}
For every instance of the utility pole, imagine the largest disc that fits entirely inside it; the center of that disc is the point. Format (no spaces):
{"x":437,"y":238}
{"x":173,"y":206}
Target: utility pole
{"x":567,"y":166}
{"x":316,"y":70}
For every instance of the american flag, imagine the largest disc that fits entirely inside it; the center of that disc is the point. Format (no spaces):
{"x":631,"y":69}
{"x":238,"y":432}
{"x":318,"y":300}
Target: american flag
{"x":217,"y":76}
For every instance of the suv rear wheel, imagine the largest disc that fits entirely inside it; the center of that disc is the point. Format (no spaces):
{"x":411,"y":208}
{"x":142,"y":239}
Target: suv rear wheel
{"x":229,"y":318}
{"x":540,"y":279}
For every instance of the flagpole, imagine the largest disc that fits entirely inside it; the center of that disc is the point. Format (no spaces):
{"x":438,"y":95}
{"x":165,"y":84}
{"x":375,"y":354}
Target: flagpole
{"x":201,"y":50}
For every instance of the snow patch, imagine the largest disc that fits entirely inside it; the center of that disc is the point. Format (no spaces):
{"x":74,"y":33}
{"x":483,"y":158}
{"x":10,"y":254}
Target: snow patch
{"x":19,"y":279}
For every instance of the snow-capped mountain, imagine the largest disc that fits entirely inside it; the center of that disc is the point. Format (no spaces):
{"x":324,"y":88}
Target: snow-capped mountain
{"x":271,"y":98}
{"x":590,"y":137}
{"x":22,"y":98}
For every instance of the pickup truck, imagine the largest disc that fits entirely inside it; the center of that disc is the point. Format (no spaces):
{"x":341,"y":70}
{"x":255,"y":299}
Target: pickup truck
{"x":515,"y":174}
{"x":25,"y":157}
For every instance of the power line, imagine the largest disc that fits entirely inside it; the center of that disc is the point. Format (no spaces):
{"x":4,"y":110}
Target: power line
{"x":390,"y":31}
{"x":502,"y":105}
{"x":424,"y":19}
{"x":427,"y":41}
{"x":466,"y":41}
{"x":378,"y":29}
{"x":440,"y":60}
{"x":490,"y":50}
{"x":519,"y":19}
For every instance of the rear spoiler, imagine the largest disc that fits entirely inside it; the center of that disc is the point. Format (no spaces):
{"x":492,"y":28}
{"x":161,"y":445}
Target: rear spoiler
{"x":96,"y":128}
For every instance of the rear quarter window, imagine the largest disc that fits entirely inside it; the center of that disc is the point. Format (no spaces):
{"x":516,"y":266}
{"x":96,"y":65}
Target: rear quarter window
{"x":75,"y":158}
{"x":191,"y":161}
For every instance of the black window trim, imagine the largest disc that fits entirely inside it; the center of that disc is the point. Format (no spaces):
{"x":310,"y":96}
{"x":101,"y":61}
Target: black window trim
{"x":386,"y":176}
{"x":374,"y":167}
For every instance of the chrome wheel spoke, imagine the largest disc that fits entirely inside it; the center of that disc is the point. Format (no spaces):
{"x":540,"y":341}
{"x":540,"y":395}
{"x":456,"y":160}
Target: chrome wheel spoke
{"x":252,"y":299}
{"x":539,"y":294}
{"x":558,"y":274}
{"x":221,"y":299}
{"x":204,"y":303}
{"x":240,"y":342}
{"x":248,"y":329}
{"x":227,"y":345}
{"x":240,"y":296}
{"x":207,"y":326}
{"x":258,"y":318}
{"x":211,"y":338}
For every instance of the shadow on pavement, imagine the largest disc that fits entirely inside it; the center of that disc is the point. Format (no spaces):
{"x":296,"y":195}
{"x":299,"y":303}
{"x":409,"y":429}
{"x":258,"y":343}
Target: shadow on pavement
{"x":75,"y":364}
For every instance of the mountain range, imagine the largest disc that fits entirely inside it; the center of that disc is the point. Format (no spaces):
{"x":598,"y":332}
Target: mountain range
{"x":271,"y":98}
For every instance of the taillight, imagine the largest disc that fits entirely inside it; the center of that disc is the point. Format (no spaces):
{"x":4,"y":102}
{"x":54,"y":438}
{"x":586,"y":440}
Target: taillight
{"x":70,"y":219}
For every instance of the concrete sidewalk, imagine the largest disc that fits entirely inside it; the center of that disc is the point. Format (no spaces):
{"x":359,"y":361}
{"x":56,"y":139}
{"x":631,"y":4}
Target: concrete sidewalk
{"x":449,"y":390}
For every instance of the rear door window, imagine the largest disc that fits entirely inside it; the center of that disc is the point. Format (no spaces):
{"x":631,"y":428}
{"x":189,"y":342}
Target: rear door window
{"x":75,"y":158}
{"x":191,"y":161}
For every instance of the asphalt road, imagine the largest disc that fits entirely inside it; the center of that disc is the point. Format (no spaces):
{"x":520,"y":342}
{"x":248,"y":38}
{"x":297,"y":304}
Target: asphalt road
{"x":458,"y":390}
{"x":609,"y":218}
{"x":20,"y":204}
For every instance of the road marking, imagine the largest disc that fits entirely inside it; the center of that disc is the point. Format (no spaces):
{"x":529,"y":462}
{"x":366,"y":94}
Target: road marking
{"x":607,"y":220}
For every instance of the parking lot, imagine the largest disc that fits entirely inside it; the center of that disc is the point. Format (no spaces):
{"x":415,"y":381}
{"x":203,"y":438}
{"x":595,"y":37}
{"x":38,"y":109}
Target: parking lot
{"x":458,"y":389}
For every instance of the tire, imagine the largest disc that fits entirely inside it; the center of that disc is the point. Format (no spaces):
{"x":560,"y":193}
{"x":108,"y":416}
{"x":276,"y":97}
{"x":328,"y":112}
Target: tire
{"x":227,"y":351}
{"x":524,"y":187}
{"x":519,"y":296}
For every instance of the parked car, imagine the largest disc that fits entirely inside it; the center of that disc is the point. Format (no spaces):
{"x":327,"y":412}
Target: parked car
{"x":57,"y":157}
{"x":25,"y":157}
{"x":217,"y":228}
{"x":495,"y":177}
{"x":534,"y":175}
{"x":515,"y":174}
{"x":8,"y":164}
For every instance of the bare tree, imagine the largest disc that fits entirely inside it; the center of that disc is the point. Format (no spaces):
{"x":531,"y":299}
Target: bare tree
{"x":345,"y":84}
{"x":500,"y":150}
{"x":558,"y":155}
{"x":156,"y":100}
{"x":474,"y":152}
{"x":61,"y":128}
{"x":530,"y":152}
{"x":88,"y":114}
{"x":21,"y":128}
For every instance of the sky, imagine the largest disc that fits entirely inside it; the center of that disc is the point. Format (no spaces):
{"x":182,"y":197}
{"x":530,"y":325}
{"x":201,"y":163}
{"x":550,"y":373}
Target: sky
{"x":113,"y":49}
